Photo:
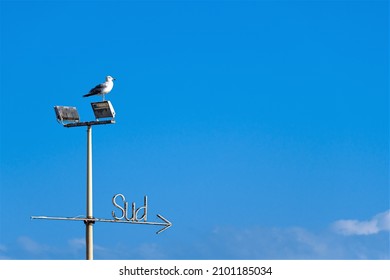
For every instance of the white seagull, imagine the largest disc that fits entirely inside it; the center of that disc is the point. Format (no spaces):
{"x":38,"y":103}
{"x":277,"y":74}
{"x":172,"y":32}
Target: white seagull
{"x":103,"y":88}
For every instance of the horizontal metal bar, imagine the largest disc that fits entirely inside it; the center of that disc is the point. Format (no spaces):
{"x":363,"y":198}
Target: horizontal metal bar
{"x":75,"y":124}
{"x":100,"y":220}
{"x":60,"y":218}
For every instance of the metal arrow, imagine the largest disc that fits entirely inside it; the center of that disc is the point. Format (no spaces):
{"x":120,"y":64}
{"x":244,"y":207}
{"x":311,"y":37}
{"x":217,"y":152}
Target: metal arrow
{"x":167,"y":224}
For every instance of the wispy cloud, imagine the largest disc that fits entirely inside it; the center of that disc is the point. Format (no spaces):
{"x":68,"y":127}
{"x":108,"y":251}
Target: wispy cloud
{"x":31,"y":246}
{"x":343,"y":239}
{"x":77,"y":248}
{"x":150,"y":251}
{"x":378,"y":223}
{"x":3,"y":248}
{"x":74,"y":248}
{"x":3,"y":251}
{"x":77,"y":243}
{"x":271,"y":243}
{"x":292,"y":243}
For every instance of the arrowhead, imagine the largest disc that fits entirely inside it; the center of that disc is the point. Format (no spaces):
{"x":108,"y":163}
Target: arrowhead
{"x":167,"y":225}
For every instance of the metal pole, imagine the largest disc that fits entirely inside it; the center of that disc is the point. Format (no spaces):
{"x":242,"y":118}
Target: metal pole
{"x":89,"y":224}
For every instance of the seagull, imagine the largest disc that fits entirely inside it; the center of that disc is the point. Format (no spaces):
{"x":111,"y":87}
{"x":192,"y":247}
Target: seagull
{"x":102,"y":88}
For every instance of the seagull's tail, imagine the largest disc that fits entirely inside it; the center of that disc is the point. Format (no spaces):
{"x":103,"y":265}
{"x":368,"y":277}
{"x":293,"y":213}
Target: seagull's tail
{"x":89,"y":94}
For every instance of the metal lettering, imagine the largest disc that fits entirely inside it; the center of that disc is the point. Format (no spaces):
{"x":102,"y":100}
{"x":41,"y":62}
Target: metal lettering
{"x":135,"y":213}
{"x":124,"y":210}
{"x":145,"y":208}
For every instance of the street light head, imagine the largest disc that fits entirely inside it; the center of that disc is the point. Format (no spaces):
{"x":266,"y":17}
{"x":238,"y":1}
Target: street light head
{"x":103,"y":110}
{"x":66,"y":114}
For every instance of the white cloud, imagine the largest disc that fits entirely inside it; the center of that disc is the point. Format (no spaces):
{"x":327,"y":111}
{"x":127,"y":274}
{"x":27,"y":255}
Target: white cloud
{"x":77,"y":243}
{"x":150,"y":251}
{"x":75,"y":248}
{"x":294,"y":243}
{"x":270,"y":243}
{"x":3,"y":250}
{"x":315,"y":243}
{"x":32,"y":246}
{"x":378,"y":223}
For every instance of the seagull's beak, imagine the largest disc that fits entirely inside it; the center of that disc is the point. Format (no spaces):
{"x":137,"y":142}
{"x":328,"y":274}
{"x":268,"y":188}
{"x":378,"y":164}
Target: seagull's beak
{"x":113,"y":78}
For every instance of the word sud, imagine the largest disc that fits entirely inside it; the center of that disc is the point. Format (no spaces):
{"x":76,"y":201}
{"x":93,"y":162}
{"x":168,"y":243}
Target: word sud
{"x":137,"y":214}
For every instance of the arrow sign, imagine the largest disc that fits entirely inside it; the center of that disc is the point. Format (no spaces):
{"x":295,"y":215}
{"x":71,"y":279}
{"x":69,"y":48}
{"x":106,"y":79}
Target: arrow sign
{"x":166,"y":224}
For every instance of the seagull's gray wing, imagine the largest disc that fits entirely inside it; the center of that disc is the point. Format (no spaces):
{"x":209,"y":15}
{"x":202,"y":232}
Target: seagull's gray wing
{"x":96,"y":90}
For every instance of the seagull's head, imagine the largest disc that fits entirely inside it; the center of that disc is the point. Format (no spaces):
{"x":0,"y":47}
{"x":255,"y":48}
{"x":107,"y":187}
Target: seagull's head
{"x":109,"y":78}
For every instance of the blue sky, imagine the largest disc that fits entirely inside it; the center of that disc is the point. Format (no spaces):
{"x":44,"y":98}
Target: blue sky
{"x":259,"y":128}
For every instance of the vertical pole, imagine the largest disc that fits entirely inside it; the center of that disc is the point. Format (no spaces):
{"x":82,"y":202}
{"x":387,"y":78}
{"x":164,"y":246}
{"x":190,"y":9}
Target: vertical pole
{"x":89,"y":224}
